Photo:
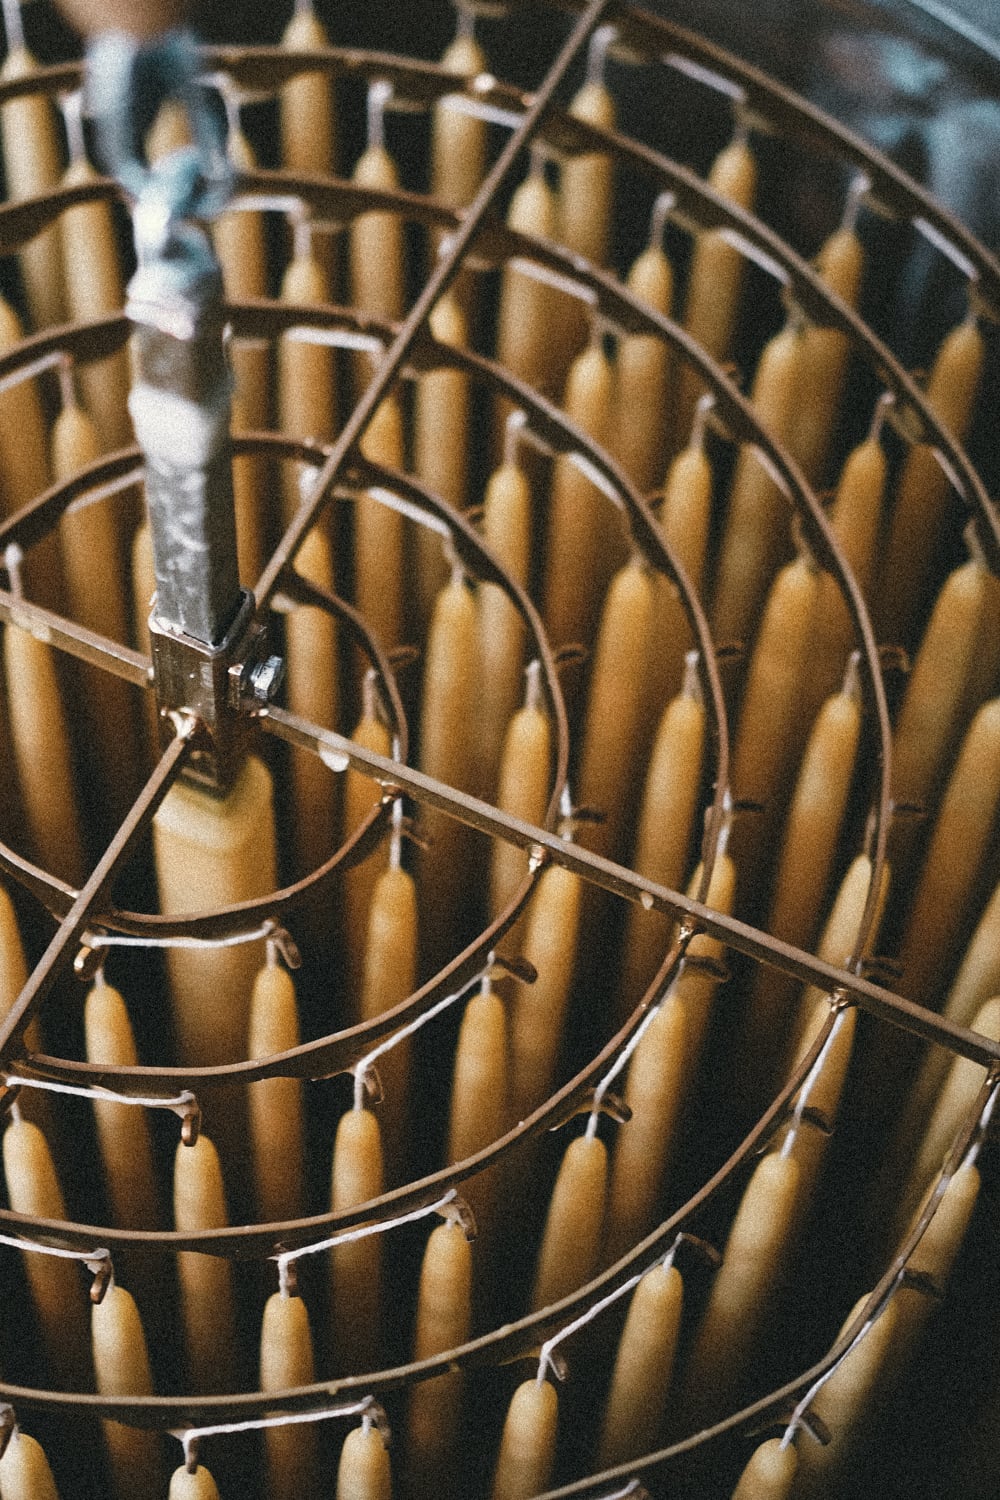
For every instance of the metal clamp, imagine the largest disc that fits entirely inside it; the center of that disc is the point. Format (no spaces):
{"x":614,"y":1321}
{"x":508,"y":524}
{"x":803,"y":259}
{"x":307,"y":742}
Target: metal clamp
{"x":208,"y":656}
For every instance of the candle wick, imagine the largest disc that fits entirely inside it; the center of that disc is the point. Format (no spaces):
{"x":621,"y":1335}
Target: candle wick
{"x":465,"y":22}
{"x":741,"y":126}
{"x":513,"y":432}
{"x":860,"y":185}
{"x":597,"y":54}
{"x":370,"y":700}
{"x":231,"y":105}
{"x":974,"y":546}
{"x":67,"y":383}
{"x":852,"y":678}
{"x":396,"y":840}
{"x":663,"y":206}
{"x":533,"y":684}
{"x":302,"y":231}
{"x":691,"y":685}
{"x":703,"y":409}
{"x":883,"y":406}
{"x":14,"y":26}
{"x":71,"y":105}
{"x":379,"y":94}
{"x":13,"y":557}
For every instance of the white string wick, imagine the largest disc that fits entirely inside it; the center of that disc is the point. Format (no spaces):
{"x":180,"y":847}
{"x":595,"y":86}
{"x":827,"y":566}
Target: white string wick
{"x":363,"y":1065}
{"x":547,"y":1351}
{"x":449,"y":1206}
{"x":809,"y":1083}
{"x":379,"y":94}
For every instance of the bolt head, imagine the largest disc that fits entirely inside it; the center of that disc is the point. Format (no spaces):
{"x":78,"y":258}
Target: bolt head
{"x":266,"y":678}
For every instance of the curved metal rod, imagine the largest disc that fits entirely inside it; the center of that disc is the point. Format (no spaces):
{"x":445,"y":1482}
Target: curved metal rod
{"x":499,"y":1346}
{"x":772,"y":108}
{"x":772,"y":1404}
{"x":563,"y":436}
